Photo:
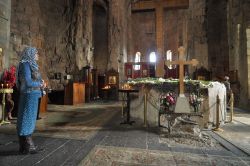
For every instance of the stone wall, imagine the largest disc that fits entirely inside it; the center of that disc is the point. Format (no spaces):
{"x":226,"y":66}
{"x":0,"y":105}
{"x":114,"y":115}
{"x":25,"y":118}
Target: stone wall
{"x":247,"y":50}
{"x":217,"y":37}
{"x":5,"y":12}
{"x":119,"y":13}
{"x":244,"y":60}
{"x":187,"y":27}
{"x":68,"y":37}
{"x":27,"y":28}
{"x":100,"y":38}
{"x":238,"y":22}
{"x":175,"y":34}
{"x":61,"y":30}
{"x":197,"y":44}
{"x":143,"y":35}
{"x":182,"y":27}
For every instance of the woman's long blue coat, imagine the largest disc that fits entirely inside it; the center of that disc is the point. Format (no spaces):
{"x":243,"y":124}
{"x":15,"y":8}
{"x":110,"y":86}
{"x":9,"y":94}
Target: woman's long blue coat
{"x":28,"y":101}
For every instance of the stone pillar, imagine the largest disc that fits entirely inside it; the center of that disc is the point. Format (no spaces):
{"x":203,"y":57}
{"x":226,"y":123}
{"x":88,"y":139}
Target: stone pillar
{"x":218,"y":47}
{"x":5,"y":13}
{"x":83,"y":33}
{"x":126,"y":18}
{"x":244,"y":102}
{"x":130,"y":41}
{"x":116,"y":30}
{"x":159,"y":41}
{"x":119,"y":12}
{"x":197,"y":38}
{"x":114,"y":34}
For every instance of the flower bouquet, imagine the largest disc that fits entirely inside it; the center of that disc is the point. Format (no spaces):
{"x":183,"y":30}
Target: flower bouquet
{"x":195,"y":101}
{"x":167,"y":102}
{"x":9,"y":77}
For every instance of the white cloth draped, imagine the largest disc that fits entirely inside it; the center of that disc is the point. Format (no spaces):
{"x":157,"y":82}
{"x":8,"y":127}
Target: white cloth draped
{"x":220,"y":90}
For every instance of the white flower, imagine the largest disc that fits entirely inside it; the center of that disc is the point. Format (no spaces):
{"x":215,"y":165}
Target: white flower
{"x":161,"y":80}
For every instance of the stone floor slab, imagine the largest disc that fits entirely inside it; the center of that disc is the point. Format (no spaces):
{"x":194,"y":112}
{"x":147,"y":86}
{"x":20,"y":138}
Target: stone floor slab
{"x":92,"y":134}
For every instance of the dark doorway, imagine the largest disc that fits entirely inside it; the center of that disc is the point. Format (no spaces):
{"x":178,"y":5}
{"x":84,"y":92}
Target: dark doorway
{"x":101,"y":84}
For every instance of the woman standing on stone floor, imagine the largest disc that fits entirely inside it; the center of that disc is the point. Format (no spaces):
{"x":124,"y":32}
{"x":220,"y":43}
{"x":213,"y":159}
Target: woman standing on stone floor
{"x":29,"y":83}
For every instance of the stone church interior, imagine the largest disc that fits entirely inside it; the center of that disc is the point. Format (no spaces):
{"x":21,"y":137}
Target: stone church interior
{"x":129,"y":82}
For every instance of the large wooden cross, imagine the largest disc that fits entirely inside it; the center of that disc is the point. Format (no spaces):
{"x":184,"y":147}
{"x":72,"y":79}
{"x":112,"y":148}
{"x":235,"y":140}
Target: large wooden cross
{"x":159,"y":6}
{"x":182,"y":105}
{"x":181,"y":62}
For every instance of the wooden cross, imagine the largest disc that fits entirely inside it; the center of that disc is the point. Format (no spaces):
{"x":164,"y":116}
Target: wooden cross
{"x":181,"y":62}
{"x":159,"y":6}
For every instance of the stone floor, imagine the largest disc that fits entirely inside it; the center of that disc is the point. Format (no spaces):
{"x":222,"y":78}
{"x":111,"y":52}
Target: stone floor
{"x":91,"y":134}
{"x":238,"y":131}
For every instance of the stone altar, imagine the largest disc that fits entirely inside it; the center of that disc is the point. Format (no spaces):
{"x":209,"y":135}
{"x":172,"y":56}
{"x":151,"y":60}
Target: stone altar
{"x":207,"y":107}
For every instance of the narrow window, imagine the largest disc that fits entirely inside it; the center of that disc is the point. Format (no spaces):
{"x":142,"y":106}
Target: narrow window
{"x":137,"y":60}
{"x":152,"y":57}
{"x":169,"y":57}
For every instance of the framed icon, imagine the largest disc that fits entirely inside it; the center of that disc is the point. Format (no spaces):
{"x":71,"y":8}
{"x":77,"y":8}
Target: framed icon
{"x":129,"y":72}
{"x":201,"y":78}
{"x":145,"y":73}
{"x":112,"y":79}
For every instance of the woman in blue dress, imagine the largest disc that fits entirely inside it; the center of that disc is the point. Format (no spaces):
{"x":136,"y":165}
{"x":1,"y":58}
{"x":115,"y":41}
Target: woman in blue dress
{"x":29,"y":83}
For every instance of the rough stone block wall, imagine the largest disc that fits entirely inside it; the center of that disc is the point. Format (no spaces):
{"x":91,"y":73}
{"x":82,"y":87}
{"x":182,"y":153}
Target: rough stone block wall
{"x":243,"y":59}
{"x":175,"y":30}
{"x":197,"y":45}
{"x":182,"y":27}
{"x":26,"y":30}
{"x":244,"y":56}
{"x":143,"y":34}
{"x":119,"y":13}
{"x":100,"y":38}
{"x":238,"y":21}
{"x":61,"y":30}
{"x":218,"y":48}
{"x":5,"y":7}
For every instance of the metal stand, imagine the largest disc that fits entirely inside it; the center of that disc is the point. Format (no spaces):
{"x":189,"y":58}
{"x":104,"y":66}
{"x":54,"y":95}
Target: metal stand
{"x":128,"y":91}
{"x":231,"y":106}
{"x":123,"y":104}
{"x":4,"y":91}
{"x":145,"y":107}
{"x":217,"y":127}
